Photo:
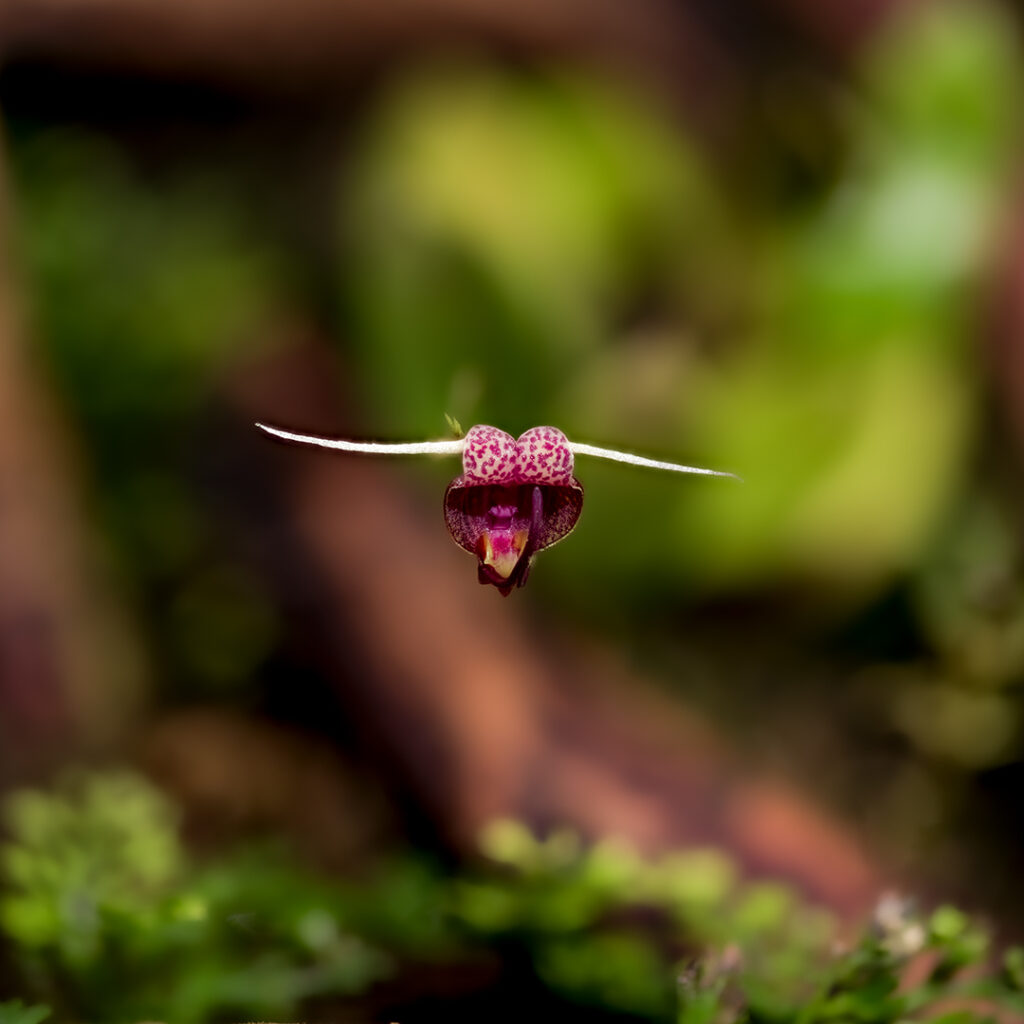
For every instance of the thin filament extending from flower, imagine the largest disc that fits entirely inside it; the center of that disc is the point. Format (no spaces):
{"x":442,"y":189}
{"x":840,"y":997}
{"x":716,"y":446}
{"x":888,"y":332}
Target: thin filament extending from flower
{"x":639,"y":460}
{"x":372,"y":447}
{"x":456,"y":447}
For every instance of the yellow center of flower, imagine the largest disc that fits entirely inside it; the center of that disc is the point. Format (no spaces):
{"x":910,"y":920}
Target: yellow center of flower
{"x":501,"y":550}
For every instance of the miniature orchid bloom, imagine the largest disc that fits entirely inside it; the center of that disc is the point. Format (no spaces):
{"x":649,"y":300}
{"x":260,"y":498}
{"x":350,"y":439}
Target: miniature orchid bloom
{"x":514,"y":497}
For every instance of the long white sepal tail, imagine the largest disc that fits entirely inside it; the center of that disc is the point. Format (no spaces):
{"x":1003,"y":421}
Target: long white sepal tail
{"x":639,"y":460}
{"x":371,"y":447}
{"x":456,"y":447}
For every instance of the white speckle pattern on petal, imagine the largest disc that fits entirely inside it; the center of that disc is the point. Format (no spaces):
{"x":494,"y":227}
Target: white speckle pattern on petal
{"x":489,"y":456}
{"x":543,"y":456}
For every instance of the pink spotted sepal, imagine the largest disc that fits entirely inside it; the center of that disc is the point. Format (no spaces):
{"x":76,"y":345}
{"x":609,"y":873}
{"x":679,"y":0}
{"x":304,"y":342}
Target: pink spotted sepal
{"x":513,"y":499}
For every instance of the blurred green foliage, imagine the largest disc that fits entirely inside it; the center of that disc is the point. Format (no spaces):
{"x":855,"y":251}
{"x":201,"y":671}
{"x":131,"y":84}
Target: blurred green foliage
{"x":144,"y":287}
{"x":16,"y":1012}
{"x":497,"y":224}
{"x":112,"y":920}
{"x":545,"y":249}
{"x":145,"y":291}
{"x":109,"y":843}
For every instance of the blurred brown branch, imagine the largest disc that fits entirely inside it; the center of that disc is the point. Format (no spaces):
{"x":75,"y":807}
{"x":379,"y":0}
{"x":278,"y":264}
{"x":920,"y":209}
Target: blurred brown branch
{"x":308,"y":43}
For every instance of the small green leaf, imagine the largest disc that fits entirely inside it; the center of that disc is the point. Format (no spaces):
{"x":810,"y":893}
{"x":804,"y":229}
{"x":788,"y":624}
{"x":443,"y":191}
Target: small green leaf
{"x":16,"y":1012}
{"x":947,"y":923}
{"x":1013,"y":967}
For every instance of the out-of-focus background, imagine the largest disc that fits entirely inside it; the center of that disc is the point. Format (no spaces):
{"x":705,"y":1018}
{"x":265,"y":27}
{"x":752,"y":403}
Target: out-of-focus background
{"x":261,"y":731}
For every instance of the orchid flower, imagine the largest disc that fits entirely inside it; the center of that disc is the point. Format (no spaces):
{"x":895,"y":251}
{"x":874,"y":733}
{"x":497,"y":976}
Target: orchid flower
{"x":514,"y":498}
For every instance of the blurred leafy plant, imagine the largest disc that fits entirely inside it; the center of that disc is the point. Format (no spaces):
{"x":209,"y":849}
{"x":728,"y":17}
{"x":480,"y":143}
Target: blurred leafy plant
{"x":104,"y":846}
{"x":16,"y":1012}
{"x":111,"y":920}
{"x":868,"y":981}
{"x":581,"y":913}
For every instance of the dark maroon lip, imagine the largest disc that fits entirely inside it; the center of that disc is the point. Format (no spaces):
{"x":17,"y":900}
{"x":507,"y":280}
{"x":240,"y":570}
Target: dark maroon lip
{"x":517,"y":578}
{"x":467,"y":505}
{"x":545,"y":512}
